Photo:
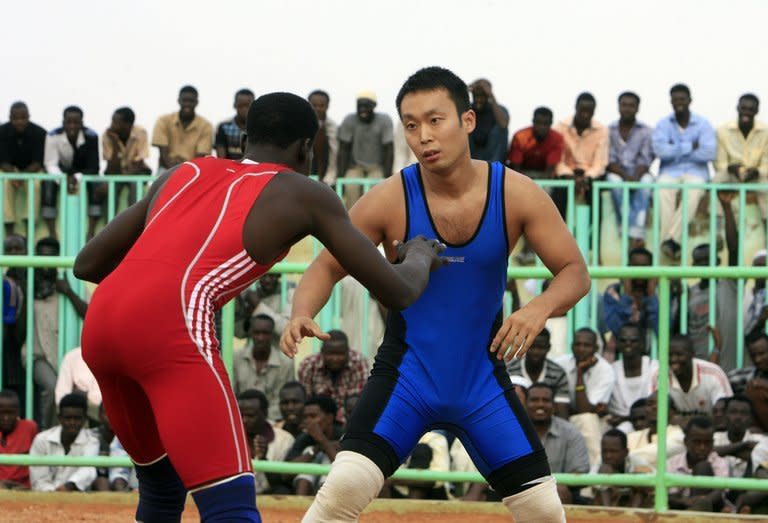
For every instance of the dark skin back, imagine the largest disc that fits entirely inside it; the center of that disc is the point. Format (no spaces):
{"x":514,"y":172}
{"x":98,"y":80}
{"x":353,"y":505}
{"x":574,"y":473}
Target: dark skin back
{"x":296,"y":207}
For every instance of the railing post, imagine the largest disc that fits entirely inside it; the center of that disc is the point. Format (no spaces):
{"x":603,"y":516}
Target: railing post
{"x":661,"y":503}
{"x":70,"y":226}
{"x":581,"y":311}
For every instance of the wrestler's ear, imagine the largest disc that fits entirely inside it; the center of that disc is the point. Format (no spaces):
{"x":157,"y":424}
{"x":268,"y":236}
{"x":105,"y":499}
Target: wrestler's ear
{"x":468,"y":120}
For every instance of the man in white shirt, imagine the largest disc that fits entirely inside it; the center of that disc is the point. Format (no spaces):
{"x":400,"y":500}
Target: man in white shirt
{"x":737,"y":442}
{"x":75,"y":376}
{"x":633,"y":371}
{"x":67,"y":439}
{"x":694,"y":384}
{"x":642,"y":444}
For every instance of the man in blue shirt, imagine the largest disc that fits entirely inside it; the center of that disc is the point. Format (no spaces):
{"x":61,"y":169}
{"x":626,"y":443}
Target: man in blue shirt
{"x":685,"y":143}
{"x":629,"y":158}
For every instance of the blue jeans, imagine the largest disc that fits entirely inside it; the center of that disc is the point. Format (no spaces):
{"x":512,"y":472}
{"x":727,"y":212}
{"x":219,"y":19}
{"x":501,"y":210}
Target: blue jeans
{"x":639,"y":200}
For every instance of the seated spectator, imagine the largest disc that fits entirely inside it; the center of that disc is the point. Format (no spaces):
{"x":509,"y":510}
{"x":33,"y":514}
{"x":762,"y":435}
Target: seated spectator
{"x":353,"y":321}
{"x":109,"y":478}
{"x":642,"y":443}
{"x":633,"y":371}
{"x":694,"y":384}
{"x":753,"y":381}
{"x":591,"y":381}
{"x":265,"y":441}
{"x":182,"y":135}
{"x":755,"y":501}
{"x":292,"y":397}
{"x":629,"y":158}
{"x":125,"y":148}
{"x":534,"y":367}
{"x":75,"y":376}
{"x":742,"y":149}
{"x":350,"y":402}
{"x":336,"y":371}
{"x":685,"y":144}
{"x":46,"y":339}
{"x":719,"y":419}
{"x":737,"y":441}
{"x":260,"y":364}
{"x":229,"y":134}
{"x":71,"y":150}
{"x":489,"y":139}
{"x":325,"y":148}
{"x":430,"y":453}
{"x":267,"y":299}
{"x":70,"y":438}
{"x":699,"y":459}
{"x":638,"y":419}
{"x":756,"y":312}
{"x":633,"y":300}
{"x":22,"y":150}
{"x":318,"y":443}
{"x":615,"y":459}
{"x":585,"y":155}
{"x":535,"y":151}
{"x":16,"y":437}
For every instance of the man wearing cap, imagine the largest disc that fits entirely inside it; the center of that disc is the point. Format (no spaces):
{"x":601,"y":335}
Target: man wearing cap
{"x":365,"y":145}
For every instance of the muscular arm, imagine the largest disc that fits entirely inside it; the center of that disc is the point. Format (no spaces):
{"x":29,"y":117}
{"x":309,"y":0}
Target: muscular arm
{"x":106,"y":250}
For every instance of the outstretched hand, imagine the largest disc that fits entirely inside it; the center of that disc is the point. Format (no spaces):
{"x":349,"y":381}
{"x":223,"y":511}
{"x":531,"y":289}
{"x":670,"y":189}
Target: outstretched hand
{"x":297,"y":329}
{"x":422,"y":246}
{"x":517,"y":333}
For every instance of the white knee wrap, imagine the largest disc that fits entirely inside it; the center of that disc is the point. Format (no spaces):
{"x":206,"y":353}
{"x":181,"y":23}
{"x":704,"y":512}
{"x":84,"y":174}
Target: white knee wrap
{"x":354,"y":481}
{"x":538,"y":504}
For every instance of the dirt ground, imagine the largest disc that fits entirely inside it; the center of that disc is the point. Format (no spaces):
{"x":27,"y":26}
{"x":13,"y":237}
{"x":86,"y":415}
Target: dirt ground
{"x":35,"y":507}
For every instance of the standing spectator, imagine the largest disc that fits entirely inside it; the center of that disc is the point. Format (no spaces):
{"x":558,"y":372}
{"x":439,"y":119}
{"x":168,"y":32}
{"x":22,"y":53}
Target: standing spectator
{"x":71,"y":150}
{"x":535,"y":151}
{"x":737,"y":441}
{"x":615,"y":459}
{"x":125,"y":147}
{"x":318,"y":443}
{"x":585,"y":155}
{"x":75,"y":376}
{"x":366,"y":147}
{"x":694,"y":384}
{"x":229,"y":134}
{"x":685,"y":143}
{"x":753,"y":381}
{"x":489,"y":139}
{"x":22,"y":150}
{"x":293,"y":395}
{"x":326,"y":145}
{"x":16,"y":437}
{"x":70,"y":438}
{"x":534,"y":367}
{"x":46,"y":331}
{"x":260,"y":364}
{"x":699,"y":459}
{"x":633,"y":301}
{"x":633,"y":371}
{"x":643,"y":443}
{"x":629,"y":158}
{"x":336,"y":372}
{"x":182,"y":135}
{"x":265,"y":441}
{"x":742,"y":149}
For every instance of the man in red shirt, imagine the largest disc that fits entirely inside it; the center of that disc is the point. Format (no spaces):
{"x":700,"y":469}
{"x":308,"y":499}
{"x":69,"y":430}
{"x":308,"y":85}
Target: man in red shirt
{"x":205,"y":231}
{"x":535,"y":151}
{"x":16,"y":437}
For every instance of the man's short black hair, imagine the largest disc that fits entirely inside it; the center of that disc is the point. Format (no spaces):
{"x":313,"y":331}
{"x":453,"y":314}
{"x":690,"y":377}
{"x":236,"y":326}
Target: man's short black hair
{"x":280,"y":119}
{"x":72,"y":109}
{"x":8,"y":394}
{"x":544,"y":334}
{"x":541,"y":385}
{"x":326,"y":403}
{"x":187,"y":89}
{"x":337,"y":335}
{"x":629,"y":94}
{"x":639,"y":404}
{"x":76,"y":400}
{"x":319,"y":92}
{"x":700,"y":422}
{"x":433,"y":78}
{"x":750,"y":96}
{"x":616,"y":433}
{"x":642,"y":251}
{"x":48,"y":241}
{"x":544,"y":112}
{"x":685,"y":339}
{"x":680,"y":88}
{"x":585,"y":97}
{"x":265,"y":317}
{"x":244,"y":92}
{"x":18,"y":105}
{"x":294,"y":385}
{"x":740,"y":398}
{"x":126,"y":114}
{"x":634,"y":325}
{"x":255,"y":394}
{"x":588,"y":330}
{"x":755,"y":336}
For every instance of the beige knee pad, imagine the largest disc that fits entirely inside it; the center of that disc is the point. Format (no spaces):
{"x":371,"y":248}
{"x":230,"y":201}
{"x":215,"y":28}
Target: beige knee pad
{"x":538,"y":504}
{"x":354,"y":481}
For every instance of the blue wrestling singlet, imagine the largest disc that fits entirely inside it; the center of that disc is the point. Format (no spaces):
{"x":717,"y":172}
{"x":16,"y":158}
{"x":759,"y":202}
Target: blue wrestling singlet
{"x":434,"y":369}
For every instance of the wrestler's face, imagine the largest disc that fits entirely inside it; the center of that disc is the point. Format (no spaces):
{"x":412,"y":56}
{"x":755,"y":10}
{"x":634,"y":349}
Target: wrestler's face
{"x":437,"y":135}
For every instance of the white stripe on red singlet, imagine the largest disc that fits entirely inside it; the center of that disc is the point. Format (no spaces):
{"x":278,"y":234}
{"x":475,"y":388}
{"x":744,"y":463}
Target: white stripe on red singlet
{"x":178,"y":193}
